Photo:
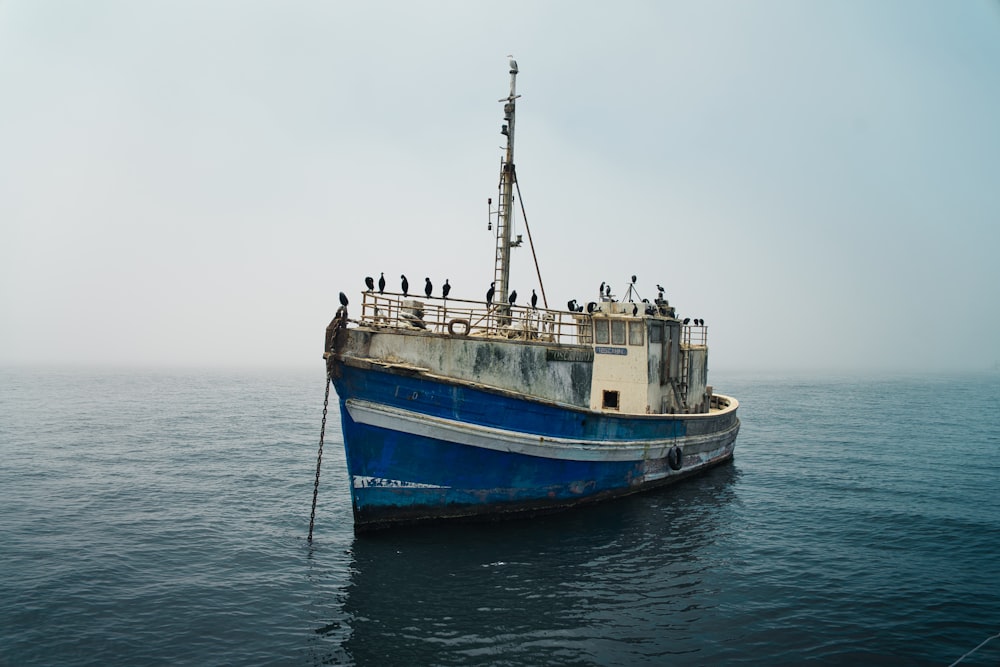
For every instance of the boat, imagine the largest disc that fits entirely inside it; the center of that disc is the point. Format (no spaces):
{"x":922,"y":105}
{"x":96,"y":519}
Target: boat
{"x":492,"y":408}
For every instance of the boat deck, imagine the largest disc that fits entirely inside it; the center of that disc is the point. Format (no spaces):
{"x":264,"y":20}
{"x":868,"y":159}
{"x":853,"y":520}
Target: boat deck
{"x":460,"y":317}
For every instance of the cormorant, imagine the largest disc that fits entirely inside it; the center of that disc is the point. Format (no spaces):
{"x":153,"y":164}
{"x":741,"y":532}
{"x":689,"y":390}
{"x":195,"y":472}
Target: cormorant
{"x":445,"y":289}
{"x":686,"y":320}
{"x":601,"y":291}
{"x":490,"y":292}
{"x":381,"y":283}
{"x":591,"y":307}
{"x":534,"y":299}
{"x":428,"y":287}
{"x":343,"y":299}
{"x":571,"y":305}
{"x":369,"y":283}
{"x":633,"y":279}
{"x":512,"y":298}
{"x":405,"y":285}
{"x":660,"y":288}
{"x":635,"y":308}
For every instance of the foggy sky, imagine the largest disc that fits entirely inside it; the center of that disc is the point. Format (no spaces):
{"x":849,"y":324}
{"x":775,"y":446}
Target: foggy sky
{"x":191,"y":183}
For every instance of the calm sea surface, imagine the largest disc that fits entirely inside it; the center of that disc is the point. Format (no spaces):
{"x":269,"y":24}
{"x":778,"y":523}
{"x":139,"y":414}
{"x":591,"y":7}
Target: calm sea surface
{"x":160,"y":519}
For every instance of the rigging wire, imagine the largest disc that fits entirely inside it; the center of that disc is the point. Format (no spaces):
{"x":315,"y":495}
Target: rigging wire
{"x":984,"y":643}
{"x":545,"y":301}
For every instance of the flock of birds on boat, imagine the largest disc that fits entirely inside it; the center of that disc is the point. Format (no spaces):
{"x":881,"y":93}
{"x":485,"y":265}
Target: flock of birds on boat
{"x":573,"y":306}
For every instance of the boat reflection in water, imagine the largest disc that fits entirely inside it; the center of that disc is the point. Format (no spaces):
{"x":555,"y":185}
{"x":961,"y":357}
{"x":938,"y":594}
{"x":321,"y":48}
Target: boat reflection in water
{"x":611,"y":583}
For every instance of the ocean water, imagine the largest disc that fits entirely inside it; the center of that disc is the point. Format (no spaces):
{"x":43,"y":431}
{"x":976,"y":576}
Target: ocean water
{"x":158,"y":518}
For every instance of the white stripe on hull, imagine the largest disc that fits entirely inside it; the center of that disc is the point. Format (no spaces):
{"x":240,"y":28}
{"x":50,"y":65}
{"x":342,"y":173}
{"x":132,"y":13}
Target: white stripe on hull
{"x":449,"y":430}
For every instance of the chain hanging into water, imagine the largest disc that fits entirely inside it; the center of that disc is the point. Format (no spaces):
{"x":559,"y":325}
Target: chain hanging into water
{"x":319,"y":458}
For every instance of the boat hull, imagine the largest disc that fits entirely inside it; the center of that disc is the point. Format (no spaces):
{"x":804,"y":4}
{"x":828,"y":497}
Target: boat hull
{"x":420,"y":448}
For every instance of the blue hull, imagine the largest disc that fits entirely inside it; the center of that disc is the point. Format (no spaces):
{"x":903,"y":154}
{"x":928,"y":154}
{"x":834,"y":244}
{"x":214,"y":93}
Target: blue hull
{"x":422,"y":449}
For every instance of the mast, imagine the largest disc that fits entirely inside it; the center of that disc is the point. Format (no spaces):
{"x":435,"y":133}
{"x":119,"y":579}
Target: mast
{"x":501,"y":274}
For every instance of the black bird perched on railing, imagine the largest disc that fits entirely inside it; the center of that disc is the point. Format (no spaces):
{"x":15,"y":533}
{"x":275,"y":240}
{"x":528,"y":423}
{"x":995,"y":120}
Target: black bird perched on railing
{"x":591,"y":306}
{"x":343,"y":299}
{"x":635,"y":309}
{"x":490,"y":292}
{"x":686,"y":320}
{"x":512,"y":298}
{"x":381,"y":283}
{"x":571,"y":305}
{"x":445,"y":289}
{"x":428,"y":287}
{"x":405,"y":284}
{"x":369,"y":283}
{"x":534,"y":299}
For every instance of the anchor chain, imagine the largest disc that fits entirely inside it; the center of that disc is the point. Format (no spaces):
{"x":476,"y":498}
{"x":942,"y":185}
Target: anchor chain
{"x":319,"y":457}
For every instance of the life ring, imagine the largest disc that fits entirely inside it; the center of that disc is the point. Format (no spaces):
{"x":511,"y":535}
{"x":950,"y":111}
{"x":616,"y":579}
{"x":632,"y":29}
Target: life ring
{"x":675,"y":458}
{"x":464,"y":324}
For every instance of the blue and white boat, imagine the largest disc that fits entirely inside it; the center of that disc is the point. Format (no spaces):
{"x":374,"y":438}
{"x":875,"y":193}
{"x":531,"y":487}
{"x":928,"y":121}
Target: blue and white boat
{"x":453,"y":408}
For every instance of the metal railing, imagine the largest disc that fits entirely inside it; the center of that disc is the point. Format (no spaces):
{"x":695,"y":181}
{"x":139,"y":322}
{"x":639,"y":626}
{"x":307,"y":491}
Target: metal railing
{"x":693,"y":335}
{"x":473,"y":318}
{"x":499,"y":320}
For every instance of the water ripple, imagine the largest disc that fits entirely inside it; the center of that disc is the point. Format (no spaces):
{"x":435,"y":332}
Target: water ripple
{"x":157,"y":518}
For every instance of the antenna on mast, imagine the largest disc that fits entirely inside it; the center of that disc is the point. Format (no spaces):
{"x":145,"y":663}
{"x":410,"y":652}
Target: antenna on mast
{"x":501,"y":271}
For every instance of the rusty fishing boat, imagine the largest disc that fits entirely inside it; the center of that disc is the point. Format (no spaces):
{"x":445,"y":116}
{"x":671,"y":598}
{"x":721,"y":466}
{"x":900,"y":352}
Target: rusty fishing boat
{"x":464,"y":409}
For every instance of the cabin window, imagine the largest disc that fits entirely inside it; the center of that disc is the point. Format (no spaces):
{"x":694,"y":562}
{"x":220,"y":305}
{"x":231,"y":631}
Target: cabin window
{"x":610,"y":400}
{"x":656,"y":333}
{"x":601,"y":332}
{"x":617,"y":332}
{"x":635,"y":331}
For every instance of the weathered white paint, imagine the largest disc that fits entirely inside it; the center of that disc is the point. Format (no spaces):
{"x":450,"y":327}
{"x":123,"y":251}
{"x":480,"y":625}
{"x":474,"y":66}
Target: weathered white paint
{"x":520,"y":366}
{"x":625,"y":373}
{"x":650,"y":378}
{"x":697,"y":374}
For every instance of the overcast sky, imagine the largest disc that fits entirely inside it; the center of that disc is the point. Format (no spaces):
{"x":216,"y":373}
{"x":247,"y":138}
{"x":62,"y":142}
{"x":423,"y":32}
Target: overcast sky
{"x":192,"y":183}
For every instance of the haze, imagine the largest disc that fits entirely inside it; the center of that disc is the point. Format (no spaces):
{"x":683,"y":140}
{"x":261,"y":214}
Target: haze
{"x":192,"y":184}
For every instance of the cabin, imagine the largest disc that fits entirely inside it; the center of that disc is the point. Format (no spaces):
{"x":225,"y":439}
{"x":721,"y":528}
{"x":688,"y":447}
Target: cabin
{"x":647,"y":364}
{"x":623,"y":358}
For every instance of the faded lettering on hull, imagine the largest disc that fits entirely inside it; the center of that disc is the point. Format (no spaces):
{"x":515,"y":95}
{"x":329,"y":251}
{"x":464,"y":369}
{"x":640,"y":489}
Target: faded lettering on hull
{"x":568,"y":354}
